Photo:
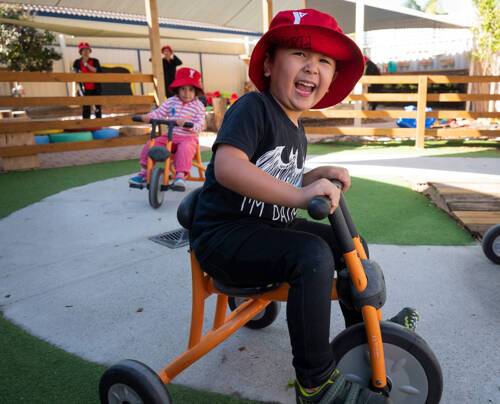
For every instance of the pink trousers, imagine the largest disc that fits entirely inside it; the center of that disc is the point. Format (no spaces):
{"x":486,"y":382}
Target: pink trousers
{"x":183,"y":147}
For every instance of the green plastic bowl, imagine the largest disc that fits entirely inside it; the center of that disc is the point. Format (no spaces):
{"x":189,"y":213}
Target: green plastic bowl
{"x":71,"y":137}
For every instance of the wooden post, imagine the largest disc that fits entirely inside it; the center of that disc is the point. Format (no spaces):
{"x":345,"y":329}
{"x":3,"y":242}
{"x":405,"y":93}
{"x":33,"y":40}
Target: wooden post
{"x":154,"y":43}
{"x":360,"y":41}
{"x":219,"y":105}
{"x":421,"y":105}
{"x":267,"y":14}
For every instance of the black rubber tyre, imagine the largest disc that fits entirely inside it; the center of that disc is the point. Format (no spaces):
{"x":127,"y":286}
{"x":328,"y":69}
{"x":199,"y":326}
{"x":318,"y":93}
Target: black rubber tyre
{"x":413,"y":370}
{"x":491,"y":244}
{"x":132,"y":382}
{"x":265,"y":318}
{"x":155,"y":192}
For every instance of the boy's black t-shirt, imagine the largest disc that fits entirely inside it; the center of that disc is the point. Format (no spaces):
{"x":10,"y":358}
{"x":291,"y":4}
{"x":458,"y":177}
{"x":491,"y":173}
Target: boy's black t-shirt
{"x":257,"y":125}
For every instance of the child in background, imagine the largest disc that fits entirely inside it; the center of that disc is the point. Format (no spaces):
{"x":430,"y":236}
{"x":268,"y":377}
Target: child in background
{"x":86,"y":64}
{"x":184,"y":107}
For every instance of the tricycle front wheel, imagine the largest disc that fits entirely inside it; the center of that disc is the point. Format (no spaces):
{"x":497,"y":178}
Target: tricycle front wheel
{"x":132,"y":382}
{"x":413,"y":372}
{"x":155,"y":188}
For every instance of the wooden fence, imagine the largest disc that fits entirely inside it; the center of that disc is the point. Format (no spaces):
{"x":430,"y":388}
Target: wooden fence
{"x":421,"y":97}
{"x":12,"y":128}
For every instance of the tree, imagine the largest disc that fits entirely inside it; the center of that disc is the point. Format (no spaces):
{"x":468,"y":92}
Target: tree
{"x":431,"y":7}
{"x":413,"y":5}
{"x":487,"y":35}
{"x":485,"y":60}
{"x":24,"y":48}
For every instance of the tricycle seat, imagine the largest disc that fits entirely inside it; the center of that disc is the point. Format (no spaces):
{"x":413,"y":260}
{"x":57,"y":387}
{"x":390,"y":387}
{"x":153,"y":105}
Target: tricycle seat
{"x":243,"y":290}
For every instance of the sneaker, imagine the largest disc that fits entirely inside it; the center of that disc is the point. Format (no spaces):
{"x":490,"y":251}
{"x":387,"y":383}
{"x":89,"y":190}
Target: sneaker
{"x":337,"y":390}
{"x":408,"y":318}
{"x":137,"y":180}
{"x":178,"y":185}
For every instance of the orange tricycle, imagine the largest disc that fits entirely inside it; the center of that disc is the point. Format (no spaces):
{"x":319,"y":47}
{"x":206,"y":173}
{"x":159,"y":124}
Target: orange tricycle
{"x":383,"y":356}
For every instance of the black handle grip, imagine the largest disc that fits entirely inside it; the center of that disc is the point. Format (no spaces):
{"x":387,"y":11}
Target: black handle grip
{"x":168,"y":122}
{"x":319,"y":207}
{"x":137,"y":118}
{"x":188,"y":125}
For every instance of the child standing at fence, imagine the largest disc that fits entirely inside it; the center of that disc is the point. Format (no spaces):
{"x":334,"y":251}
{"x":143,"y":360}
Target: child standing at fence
{"x":184,"y":107}
{"x":86,"y":64}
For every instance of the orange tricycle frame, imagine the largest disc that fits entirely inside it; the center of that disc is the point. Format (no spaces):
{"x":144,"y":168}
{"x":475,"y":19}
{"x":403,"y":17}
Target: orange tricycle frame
{"x":225,"y":324}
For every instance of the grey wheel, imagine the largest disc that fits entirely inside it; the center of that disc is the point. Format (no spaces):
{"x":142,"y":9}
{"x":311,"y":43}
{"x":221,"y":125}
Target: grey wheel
{"x":413,"y":372}
{"x":155,"y":192}
{"x":132,"y":382}
{"x":263,"y":319}
{"x":491,"y":244}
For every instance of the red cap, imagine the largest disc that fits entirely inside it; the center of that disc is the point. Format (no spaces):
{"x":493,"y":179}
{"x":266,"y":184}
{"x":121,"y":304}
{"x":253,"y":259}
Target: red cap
{"x":186,"y":76}
{"x":82,"y":46}
{"x":166,"y":47}
{"x":318,"y":32}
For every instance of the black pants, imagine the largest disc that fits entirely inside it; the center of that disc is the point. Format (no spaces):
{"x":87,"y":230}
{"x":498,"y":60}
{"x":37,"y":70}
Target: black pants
{"x":87,"y":108}
{"x":304,"y":255}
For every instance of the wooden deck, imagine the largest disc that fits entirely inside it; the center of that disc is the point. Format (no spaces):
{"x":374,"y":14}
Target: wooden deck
{"x":474,"y":205}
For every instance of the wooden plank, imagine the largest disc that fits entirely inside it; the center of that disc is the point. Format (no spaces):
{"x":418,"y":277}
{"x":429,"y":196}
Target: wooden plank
{"x":88,"y":100}
{"x":442,"y":79}
{"x":454,"y":97}
{"x":412,"y":97}
{"x":11,"y":126}
{"x":394,"y":97}
{"x":475,"y":205}
{"x":477,"y":217}
{"x":460,"y":114}
{"x":15,"y":151}
{"x":421,"y":105}
{"x":40,"y":77}
{"x":351,"y":113}
{"x":485,"y":189}
{"x":470,"y":184}
{"x":471,"y":198}
{"x":353,"y":131}
{"x":390,"y":79}
{"x":406,"y":132}
{"x":456,"y":133}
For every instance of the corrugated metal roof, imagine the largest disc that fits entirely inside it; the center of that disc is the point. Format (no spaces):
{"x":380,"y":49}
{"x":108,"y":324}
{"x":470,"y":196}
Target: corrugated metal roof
{"x":108,"y":16}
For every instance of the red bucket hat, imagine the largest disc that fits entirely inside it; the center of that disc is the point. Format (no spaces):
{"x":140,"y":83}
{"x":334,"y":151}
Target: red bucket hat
{"x":82,"y":46}
{"x":166,"y":47}
{"x":187,"y":77}
{"x":318,"y":32}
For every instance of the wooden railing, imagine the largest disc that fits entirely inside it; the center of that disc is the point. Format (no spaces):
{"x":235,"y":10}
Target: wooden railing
{"x":10,"y":127}
{"x":421,"y":97}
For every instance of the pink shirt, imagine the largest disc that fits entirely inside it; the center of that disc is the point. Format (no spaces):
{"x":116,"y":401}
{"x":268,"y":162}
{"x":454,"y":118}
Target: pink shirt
{"x":174,"y":108}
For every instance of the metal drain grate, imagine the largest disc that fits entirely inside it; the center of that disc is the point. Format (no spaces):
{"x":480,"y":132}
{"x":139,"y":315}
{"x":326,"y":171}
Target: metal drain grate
{"x":172,"y":239}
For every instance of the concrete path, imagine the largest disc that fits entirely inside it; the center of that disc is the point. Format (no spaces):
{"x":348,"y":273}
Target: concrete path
{"x":77,"y":269}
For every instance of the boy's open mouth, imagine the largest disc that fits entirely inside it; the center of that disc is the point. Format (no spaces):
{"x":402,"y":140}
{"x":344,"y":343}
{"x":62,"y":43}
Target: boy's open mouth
{"x":304,"y":87}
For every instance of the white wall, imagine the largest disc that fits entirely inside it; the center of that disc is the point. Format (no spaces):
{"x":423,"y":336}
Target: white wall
{"x":220,"y":72}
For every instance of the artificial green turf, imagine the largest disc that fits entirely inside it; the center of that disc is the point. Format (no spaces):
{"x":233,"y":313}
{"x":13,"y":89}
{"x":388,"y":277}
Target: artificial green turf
{"x":22,"y":188}
{"x":33,"y":371}
{"x":392,"y":214}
